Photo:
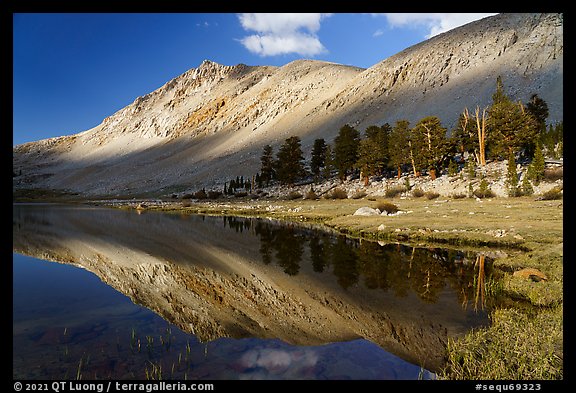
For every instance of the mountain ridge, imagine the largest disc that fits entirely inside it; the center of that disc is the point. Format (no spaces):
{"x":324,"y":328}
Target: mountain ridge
{"x":210,"y":123}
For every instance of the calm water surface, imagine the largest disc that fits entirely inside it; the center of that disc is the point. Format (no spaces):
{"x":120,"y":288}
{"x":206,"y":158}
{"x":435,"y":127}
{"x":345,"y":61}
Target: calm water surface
{"x":129,"y":299}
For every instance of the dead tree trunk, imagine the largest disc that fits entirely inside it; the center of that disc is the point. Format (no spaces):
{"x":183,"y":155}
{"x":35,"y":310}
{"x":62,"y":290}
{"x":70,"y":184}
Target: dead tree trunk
{"x":471,"y":135}
{"x":431,"y":171}
{"x":481,"y":126}
{"x":466,"y":116}
{"x":416,"y":173}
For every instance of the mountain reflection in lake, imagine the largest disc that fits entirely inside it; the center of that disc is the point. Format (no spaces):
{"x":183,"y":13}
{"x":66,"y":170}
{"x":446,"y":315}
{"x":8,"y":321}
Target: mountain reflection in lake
{"x":237,"y":297}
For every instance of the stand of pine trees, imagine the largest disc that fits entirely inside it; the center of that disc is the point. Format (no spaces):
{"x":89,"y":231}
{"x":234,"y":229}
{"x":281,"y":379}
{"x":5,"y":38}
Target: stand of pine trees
{"x":505,"y":130}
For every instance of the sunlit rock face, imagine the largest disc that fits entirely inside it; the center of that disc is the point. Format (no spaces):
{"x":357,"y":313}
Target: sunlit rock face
{"x":228,"y":277}
{"x":210,"y":124}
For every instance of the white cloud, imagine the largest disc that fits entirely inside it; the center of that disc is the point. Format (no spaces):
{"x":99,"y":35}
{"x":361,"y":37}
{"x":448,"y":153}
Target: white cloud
{"x":436,"y":22}
{"x":272,"y":45}
{"x":281,"y":23}
{"x":377,"y":33}
{"x":264,"y":363}
{"x":279,"y":34}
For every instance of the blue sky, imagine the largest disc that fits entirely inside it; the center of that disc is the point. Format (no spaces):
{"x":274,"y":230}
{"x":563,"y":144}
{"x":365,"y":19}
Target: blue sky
{"x":73,"y":70}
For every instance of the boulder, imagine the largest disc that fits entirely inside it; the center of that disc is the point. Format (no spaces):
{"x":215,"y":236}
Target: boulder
{"x":530,"y":273}
{"x":366,"y":211}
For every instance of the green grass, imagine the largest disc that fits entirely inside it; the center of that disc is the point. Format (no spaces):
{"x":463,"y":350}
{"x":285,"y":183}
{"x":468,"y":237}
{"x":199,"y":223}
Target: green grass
{"x":517,"y":346}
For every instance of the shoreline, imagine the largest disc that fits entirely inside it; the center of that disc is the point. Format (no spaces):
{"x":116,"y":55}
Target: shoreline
{"x":528,"y":233}
{"x":488,"y":223}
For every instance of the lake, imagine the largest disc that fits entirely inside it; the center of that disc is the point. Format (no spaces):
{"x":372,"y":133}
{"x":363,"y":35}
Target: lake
{"x":107,"y":293}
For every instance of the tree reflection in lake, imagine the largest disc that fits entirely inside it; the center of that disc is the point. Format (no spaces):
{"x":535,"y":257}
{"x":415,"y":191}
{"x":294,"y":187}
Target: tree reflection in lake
{"x":402,"y":269}
{"x":480,"y":282}
{"x":317,"y":254}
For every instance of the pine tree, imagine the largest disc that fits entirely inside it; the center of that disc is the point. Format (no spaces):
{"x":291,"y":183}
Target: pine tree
{"x":290,"y":161}
{"x":512,"y":176}
{"x":548,"y":141}
{"x":381,"y":137}
{"x":499,"y":96}
{"x":346,"y":150}
{"x":484,"y":190}
{"x":527,"y":188}
{"x":537,"y":166}
{"x":552,"y":140}
{"x":452,"y":168}
{"x":415,"y":147}
{"x":511,"y":126}
{"x":328,"y":163}
{"x":373,"y":151}
{"x":368,"y":159}
{"x":267,"y":169}
{"x":429,"y":138}
{"x":318,"y":159}
{"x":538,"y":108}
{"x":463,"y":137}
{"x":471,"y":167}
{"x":398,"y":145}
{"x":559,"y":132}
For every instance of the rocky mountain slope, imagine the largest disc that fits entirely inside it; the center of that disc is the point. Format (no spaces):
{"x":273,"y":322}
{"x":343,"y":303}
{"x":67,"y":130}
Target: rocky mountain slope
{"x":210,"y":124}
